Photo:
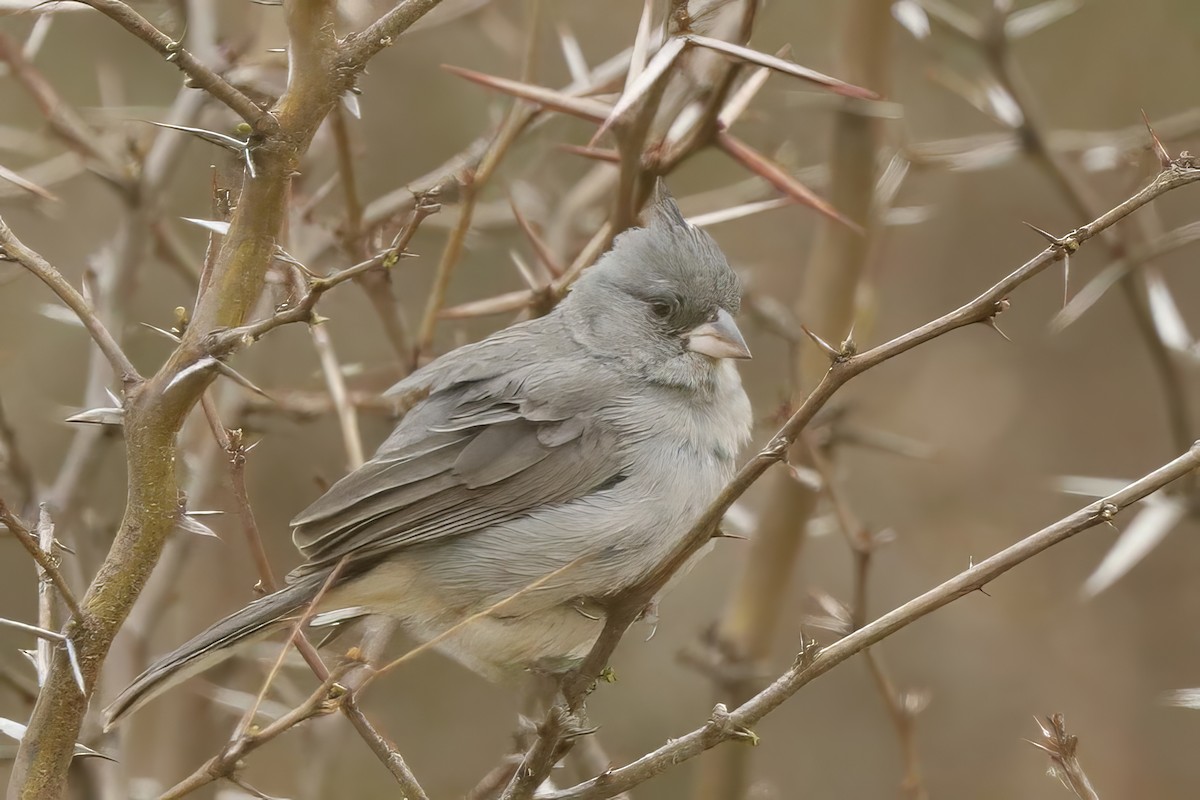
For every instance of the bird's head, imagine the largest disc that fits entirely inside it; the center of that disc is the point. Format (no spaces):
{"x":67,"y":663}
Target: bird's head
{"x":662,"y":300}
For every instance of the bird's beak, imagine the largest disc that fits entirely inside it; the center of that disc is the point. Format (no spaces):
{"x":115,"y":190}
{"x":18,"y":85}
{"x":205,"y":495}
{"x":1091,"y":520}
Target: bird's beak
{"x":718,"y":339}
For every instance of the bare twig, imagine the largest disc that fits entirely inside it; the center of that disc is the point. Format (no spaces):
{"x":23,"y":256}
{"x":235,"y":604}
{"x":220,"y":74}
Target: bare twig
{"x":1064,"y":763}
{"x":201,"y":76}
{"x":223,"y":342}
{"x":44,"y":558}
{"x":384,"y":750}
{"x":375,"y":283}
{"x":64,"y":120}
{"x":515,"y":123}
{"x":996,"y":48}
{"x":155,"y":410}
{"x":359,"y":48}
{"x":235,"y":449}
{"x":323,"y":701}
{"x":12,"y":249}
{"x":902,"y":707}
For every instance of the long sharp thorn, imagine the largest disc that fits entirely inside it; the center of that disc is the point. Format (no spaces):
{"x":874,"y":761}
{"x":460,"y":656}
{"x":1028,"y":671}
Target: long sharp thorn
{"x":539,"y":247}
{"x":594,"y":153}
{"x":1164,"y":158}
{"x":826,"y":348}
{"x":760,"y":165}
{"x":1066,"y":279}
{"x":991,"y":323}
{"x":585,"y":108}
{"x":1049,"y":237}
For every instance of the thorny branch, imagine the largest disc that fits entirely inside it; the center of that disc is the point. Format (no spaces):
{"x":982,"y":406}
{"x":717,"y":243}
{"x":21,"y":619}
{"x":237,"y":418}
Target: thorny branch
{"x":44,"y":559}
{"x":902,"y":706}
{"x":221,"y":343}
{"x":996,"y":48}
{"x":154,"y":410}
{"x":11,"y":249}
{"x":1060,"y":746}
{"x":322,"y":701}
{"x":846,"y":366}
{"x":199,"y":75}
{"x":813,"y":662}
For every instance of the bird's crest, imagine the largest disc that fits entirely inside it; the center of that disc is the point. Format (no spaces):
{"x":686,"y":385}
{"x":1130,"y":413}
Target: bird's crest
{"x":662,"y":210}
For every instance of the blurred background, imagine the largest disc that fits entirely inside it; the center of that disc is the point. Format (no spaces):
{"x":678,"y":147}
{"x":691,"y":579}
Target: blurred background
{"x":988,"y":427}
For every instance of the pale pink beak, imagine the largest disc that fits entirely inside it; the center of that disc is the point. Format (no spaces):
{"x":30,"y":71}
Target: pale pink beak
{"x":718,"y":339}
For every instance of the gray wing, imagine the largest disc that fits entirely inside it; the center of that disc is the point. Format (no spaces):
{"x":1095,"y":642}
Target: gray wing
{"x":491,"y":442}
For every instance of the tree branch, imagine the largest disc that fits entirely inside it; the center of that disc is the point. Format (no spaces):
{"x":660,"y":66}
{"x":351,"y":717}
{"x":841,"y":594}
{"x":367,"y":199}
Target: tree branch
{"x":156,"y":408}
{"x":726,"y":725}
{"x":359,"y":48}
{"x":43,"y":558}
{"x":200,"y":76}
{"x":625,"y":608}
{"x":12,"y":249}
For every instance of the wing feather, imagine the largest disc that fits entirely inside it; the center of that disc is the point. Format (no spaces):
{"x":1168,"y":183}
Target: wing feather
{"x":474,"y":453}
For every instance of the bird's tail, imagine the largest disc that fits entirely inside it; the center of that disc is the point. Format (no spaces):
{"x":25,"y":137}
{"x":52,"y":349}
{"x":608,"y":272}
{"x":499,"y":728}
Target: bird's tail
{"x":255,"y":621}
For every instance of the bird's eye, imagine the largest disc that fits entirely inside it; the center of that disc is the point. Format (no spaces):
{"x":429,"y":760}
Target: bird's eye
{"x":661,"y":308}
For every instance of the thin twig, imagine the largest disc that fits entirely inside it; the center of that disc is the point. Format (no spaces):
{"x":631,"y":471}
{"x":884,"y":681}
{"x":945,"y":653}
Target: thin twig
{"x":335,"y":380}
{"x":383,"y":749}
{"x":62,"y":119}
{"x":514,"y":124}
{"x":862,"y":544}
{"x":996,"y":49}
{"x":200,"y":75}
{"x":360,"y":48}
{"x":11,"y":248}
{"x":322,"y":701}
{"x":45,"y":559}
{"x":375,"y":283}
{"x":223,"y":342}
{"x":1064,"y":763}
{"x":155,"y":412}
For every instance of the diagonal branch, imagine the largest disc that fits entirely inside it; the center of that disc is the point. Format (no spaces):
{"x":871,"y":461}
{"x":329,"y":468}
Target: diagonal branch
{"x":726,"y":725}
{"x":12,"y":249}
{"x":359,"y":48}
{"x":43,"y":558}
{"x":200,"y":75}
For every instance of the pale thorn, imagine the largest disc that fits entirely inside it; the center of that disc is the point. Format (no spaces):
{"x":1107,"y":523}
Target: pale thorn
{"x":739,"y":212}
{"x":1184,"y":698}
{"x":780,"y":65}
{"x":1029,"y":20}
{"x":912,"y":18}
{"x":15,"y":730}
{"x":1158,"y":516}
{"x":573,"y":55}
{"x":1168,"y":321}
{"x":638,"y":88}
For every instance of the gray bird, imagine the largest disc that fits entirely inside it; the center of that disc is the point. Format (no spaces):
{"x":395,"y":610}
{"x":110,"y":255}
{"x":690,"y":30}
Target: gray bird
{"x":587,"y":441}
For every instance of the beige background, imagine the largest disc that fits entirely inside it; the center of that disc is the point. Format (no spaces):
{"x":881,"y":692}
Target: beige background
{"x":1004,"y":419}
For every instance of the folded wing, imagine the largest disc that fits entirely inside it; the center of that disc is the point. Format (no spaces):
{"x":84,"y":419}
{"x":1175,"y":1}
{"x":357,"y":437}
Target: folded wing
{"x":474,"y":453}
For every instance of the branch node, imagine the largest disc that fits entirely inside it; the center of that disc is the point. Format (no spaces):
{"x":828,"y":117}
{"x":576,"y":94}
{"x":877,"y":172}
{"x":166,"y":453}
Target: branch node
{"x":809,"y":650}
{"x":1164,"y":158}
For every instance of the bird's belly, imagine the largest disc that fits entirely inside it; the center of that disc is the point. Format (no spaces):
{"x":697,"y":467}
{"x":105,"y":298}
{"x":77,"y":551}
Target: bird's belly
{"x":518,"y":596}
{"x":499,"y":639}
